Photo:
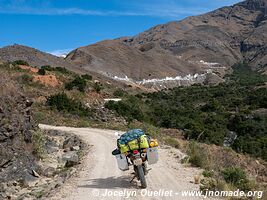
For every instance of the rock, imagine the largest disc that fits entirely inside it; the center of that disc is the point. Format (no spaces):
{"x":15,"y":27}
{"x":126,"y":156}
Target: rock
{"x":29,"y":181}
{"x":50,"y":171}
{"x":5,"y":163}
{"x":3,"y":187}
{"x":51,"y":150}
{"x":70,"y":158}
{"x":75,"y":148}
{"x":56,"y":133}
{"x":71,"y":142}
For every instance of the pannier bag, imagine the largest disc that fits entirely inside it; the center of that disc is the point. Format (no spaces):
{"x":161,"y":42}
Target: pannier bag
{"x":152,"y":155}
{"x":122,"y":162}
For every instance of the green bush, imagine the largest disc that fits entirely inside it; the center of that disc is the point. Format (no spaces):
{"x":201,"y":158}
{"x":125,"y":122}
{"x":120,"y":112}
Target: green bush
{"x":197,"y":156}
{"x":47,"y":68}
{"x":78,"y":83}
{"x":237,"y":177}
{"x":87,"y":77}
{"x":38,"y":141}
{"x":208,"y":173}
{"x":62,"y":70}
{"x":119,"y":93}
{"x":20,"y":62}
{"x":172,"y":142}
{"x":41,"y":72}
{"x":62,"y":102}
{"x":97,"y":87}
{"x":130,"y":108}
{"x":25,"y":78}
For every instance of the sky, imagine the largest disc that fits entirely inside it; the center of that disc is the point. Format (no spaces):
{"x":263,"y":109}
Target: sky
{"x":58,"y":26}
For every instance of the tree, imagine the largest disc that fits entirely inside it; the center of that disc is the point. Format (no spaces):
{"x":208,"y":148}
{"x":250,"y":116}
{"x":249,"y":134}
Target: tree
{"x":97,"y":87}
{"x":41,"y":72}
{"x":78,"y":83}
{"x":62,"y":102}
{"x":21,"y":62}
{"x":87,"y":77}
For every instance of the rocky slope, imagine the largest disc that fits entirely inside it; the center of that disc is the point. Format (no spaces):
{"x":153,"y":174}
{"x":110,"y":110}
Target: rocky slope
{"x":215,"y":41}
{"x":32,"y":162}
{"x":34,"y":57}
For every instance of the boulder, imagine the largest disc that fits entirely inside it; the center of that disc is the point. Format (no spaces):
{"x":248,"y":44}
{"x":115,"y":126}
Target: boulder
{"x":29,"y":181}
{"x":51,"y":150}
{"x":71,"y":142}
{"x":49,"y":171}
{"x":48,"y":168}
{"x":70,"y":158}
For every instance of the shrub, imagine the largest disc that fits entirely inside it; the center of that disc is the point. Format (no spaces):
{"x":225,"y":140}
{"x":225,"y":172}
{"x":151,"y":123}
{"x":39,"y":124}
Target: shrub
{"x":87,"y":77}
{"x":47,"y":68}
{"x":208,"y":173}
{"x":237,"y":177}
{"x":172,"y":142}
{"x":97,"y":87}
{"x":62,"y":102}
{"x":38,"y":141}
{"x":119,"y":93}
{"x":130,"y":108}
{"x":63,"y":70}
{"x":78,"y":83}
{"x":233,"y":175}
{"x":41,"y":72}
{"x":20,"y":62}
{"x":25,"y":78}
{"x":58,"y":69}
{"x":197,"y":156}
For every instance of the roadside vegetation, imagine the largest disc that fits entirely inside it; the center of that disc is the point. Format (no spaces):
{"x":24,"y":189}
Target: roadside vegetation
{"x":62,"y":102}
{"x":229,"y":114}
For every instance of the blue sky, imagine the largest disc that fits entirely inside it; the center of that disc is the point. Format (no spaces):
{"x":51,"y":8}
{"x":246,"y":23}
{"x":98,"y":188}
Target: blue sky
{"x":61,"y":25}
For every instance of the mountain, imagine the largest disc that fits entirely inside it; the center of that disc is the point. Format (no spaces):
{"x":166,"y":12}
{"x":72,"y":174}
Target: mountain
{"x":198,"y":49}
{"x":35,"y":57}
{"x":212,"y":41}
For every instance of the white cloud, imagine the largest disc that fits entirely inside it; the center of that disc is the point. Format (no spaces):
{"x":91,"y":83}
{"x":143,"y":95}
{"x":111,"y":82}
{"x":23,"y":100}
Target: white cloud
{"x":60,"y":52}
{"x":152,"y":8}
{"x":156,"y":12}
{"x":158,"y":9}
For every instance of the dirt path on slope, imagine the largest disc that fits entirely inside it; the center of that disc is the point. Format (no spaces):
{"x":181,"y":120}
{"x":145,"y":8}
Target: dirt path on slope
{"x":100,"y":173}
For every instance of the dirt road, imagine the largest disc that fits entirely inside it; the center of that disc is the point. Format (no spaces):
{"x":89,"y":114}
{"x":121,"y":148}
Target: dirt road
{"x":100,"y":177}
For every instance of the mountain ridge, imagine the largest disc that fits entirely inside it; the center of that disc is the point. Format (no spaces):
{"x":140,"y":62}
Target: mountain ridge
{"x":225,"y":36}
{"x":210,"y":42}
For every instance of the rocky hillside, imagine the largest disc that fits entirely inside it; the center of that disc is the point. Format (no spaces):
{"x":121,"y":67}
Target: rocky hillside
{"x":32,"y":162}
{"x":212,"y":41}
{"x":15,"y":134}
{"x":34,"y":57}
